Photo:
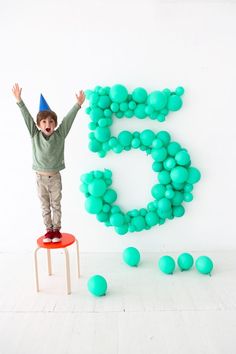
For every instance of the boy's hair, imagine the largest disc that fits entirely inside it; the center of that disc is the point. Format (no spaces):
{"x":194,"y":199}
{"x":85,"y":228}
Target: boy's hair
{"x":45,"y":114}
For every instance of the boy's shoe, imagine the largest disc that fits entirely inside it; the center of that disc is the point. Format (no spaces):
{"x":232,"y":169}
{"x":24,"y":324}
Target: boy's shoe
{"x":48,"y":236}
{"x":56,"y":236}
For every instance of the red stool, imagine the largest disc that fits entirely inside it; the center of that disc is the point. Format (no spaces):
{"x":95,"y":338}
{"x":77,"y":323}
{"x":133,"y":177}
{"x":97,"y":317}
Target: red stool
{"x":67,"y":240}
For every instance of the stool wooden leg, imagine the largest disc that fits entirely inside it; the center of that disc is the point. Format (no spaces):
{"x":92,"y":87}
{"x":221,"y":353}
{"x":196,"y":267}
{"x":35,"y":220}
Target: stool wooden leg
{"x":49,"y":262}
{"x":77,"y":251}
{"x":67,"y":272}
{"x":36,"y":268}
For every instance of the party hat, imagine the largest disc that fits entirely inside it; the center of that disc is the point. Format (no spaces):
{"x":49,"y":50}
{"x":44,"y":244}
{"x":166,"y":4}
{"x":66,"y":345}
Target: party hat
{"x":43,"y":106}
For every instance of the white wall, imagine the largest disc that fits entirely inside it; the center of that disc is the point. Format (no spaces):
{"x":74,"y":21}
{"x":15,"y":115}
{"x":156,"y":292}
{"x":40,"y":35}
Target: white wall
{"x":58,"y":47}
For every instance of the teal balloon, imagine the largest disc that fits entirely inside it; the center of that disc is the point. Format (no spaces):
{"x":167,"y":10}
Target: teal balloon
{"x":164,"y":136}
{"x":95,"y":145}
{"x":158,"y":191}
{"x":97,"y":285}
{"x":164,"y":204}
{"x":139,"y":95}
{"x":96,"y":114}
{"x":102,"y":216}
{"x":138,"y":222}
{"x":93,"y":205}
{"x":125,"y":138}
{"x":179,"y":91}
{"x":178,"y":211}
{"x":118,"y":93}
{"x":157,"y":99}
{"x":104,"y":102}
{"x":169,"y":163}
{"x":185,"y":261}
{"x":122,"y":230}
{"x":159,"y":155}
{"x":173,"y":148}
{"x":140,"y":111}
{"x":164,"y":177}
{"x":188,"y":197}
{"x":174,"y":103}
{"x":110,"y":196}
{"x":117,"y":219}
{"x":204,"y":265}
{"x":151,"y":218}
{"x":182,"y":158}
{"x":97,"y":187}
{"x":179,"y":174}
{"x":135,"y":143}
{"x":115,"y":107}
{"x":147,"y":136}
{"x":194,"y":175}
{"x":131,"y":256}
{"x":169,"y":194}
{"x":166,"y":264}
{"x":102,"y":134}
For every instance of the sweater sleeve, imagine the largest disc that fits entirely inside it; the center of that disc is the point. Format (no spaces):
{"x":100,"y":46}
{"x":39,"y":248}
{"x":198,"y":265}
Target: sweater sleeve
{"x":68,"y":120}
{"x":29,"y":121}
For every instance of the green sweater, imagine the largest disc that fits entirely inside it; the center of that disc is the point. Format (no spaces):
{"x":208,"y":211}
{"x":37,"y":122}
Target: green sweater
{"x":48,"y":152}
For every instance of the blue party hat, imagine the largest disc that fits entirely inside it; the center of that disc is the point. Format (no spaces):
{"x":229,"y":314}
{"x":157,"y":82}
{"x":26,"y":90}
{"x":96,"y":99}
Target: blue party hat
{"x":43,"y":106}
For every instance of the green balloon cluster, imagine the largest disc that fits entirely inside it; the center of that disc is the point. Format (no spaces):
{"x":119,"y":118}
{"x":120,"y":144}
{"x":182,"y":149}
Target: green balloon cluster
{"x":97,"y":285}
{"x":131,"y":256}
{"x":108,"y":102}
{"x":175,"y":177}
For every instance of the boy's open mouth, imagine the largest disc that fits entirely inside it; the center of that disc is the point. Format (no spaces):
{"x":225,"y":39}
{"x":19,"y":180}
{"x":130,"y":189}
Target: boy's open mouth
{"x":48,"y":130}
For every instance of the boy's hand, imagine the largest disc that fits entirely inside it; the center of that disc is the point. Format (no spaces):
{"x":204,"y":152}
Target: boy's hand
{"x":17,"y":92}
{"x":80,"y":98}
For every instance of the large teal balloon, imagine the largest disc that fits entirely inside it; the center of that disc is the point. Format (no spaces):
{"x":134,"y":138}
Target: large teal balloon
{"x":158,"y":191}
{"x":93,"y":205}
{"x":152,"y":218}
{"x":166,"y":264}
{"x":204,"y":265}
{"x":131,"y":256}
{"x":125,"y":138}
{"x":185,"y":261}
{"x":173,"y":148}
{"x":147,"y":136}
{"x":138,"y":222}
{"x":140,"y":111}
{"x":179,"y":174}
{"x":139,"y":95}
{"x":159,"y":155}
{"x":97,"y":187}
{"x":157,"y":99}
{"x":118,"y":93}
{"x":102,"y":134}
{"x":97,"y":285}
{"x":117,"y":219}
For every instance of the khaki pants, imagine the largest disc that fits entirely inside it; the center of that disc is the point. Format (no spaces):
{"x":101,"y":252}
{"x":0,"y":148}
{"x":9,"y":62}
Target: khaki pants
{"x":49,"y":191}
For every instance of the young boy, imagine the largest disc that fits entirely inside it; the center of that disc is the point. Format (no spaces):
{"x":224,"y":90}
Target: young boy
{"x":48,"y":157}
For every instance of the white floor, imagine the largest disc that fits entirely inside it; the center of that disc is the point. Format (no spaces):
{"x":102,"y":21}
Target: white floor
{"x":144,"y":311}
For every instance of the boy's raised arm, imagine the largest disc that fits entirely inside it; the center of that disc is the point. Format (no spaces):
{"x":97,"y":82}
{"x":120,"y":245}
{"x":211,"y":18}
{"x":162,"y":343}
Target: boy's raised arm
{"x":68,"y":120}
{"x":29,"y":121}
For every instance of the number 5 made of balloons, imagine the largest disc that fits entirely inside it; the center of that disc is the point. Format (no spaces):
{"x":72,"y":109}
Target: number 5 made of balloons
{"x":172,"y":162}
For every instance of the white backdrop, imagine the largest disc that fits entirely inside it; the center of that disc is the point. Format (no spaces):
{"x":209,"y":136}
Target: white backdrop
{"x":60,"y":46}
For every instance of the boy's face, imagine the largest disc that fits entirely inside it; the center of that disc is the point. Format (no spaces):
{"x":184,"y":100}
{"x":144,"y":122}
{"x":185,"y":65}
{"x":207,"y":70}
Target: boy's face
{"x":47,"y":126}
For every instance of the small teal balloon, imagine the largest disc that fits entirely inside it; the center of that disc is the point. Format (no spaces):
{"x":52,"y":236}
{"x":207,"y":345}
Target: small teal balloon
{"x":166,"y":264}
{"x":97,"y":285}
{"x":185,"y":261}
{"x":131,"y":256}
{"x":204,"y":265}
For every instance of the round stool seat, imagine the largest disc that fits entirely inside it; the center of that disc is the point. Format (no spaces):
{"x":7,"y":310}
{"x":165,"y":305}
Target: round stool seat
{"x":66,"y":240}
